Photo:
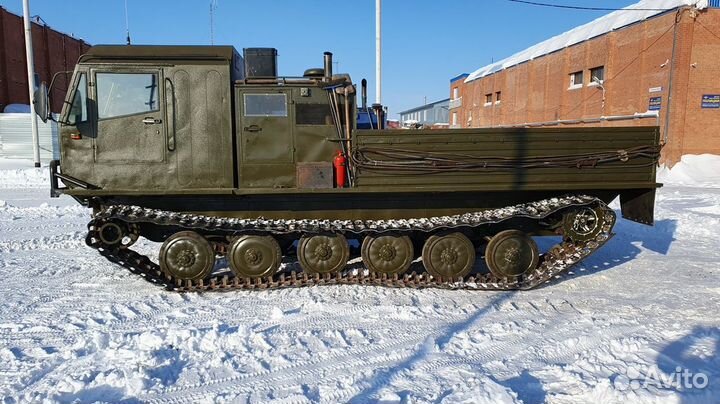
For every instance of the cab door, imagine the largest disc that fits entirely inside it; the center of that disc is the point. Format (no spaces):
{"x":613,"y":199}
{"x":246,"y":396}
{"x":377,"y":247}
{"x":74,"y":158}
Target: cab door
{"x":130,"y":116}
{"x":266,"y":143}
{"x":266,"y":132}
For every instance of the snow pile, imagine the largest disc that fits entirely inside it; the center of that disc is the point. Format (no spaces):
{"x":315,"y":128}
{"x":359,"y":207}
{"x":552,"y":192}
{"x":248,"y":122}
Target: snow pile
{"x":694,"y":170}
{"x":17,"y":109}
{"x":25,"y":178}
{"x":610,"y":22}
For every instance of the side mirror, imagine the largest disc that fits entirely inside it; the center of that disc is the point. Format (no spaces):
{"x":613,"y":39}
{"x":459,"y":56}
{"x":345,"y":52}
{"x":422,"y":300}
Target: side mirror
{"x":42,"y":102}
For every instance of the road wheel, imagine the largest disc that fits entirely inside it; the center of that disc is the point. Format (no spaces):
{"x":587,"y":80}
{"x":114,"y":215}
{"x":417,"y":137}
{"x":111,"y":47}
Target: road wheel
{"x":387,"y":254}
{"x":187,"y":255}
{"x":254,"y":256}
{"x":511,"y":253}
{"x":323,"y":254}
{"x":448,"y":256}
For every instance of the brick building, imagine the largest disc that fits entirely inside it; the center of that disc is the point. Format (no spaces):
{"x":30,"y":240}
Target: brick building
{"x":53,"y":52}
{"x":629,"y":67}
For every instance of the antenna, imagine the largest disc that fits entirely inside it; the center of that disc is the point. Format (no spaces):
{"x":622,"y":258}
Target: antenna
{"x":213,"y":7}
{"x":127,"y":24}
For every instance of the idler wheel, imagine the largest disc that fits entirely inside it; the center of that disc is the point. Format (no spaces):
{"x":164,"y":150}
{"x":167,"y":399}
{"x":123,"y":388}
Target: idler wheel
{"x":387,"y":254}
{"x":187,"y":255}
{"x":448,"y":256}
{"x":118,"y":234}
{"x":111,"y":233}
{"x":583,"y":224}
{"x":254,"y":256}
{"x":511,"y":253}
{"x":323,"y":254}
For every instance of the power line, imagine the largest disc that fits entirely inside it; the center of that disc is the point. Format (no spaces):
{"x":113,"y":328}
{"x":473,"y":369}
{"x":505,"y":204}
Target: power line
{"x":534,"y":3}
{"x":708,"y":29}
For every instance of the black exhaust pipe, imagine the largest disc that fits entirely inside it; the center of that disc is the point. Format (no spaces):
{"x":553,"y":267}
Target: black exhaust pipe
{"x":364,"y":94}
{"x":328,"y":65}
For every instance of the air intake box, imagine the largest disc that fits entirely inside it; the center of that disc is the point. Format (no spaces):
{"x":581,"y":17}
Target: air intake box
{"x":260,"y":62}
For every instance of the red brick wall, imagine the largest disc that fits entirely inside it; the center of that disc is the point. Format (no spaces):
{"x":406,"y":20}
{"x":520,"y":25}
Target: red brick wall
{"x":701,"y":127}
{"x":458,"y":111}
{"x":635,"y":60}
{"x":52,"y":52}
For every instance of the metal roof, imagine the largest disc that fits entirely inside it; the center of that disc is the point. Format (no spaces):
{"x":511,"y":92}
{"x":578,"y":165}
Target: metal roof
{"x":607,"y":23}
{"x":426,"y":106}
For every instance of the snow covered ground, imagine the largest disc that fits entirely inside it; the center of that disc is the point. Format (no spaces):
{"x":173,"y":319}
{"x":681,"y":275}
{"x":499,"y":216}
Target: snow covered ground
{"x":75,"y":328}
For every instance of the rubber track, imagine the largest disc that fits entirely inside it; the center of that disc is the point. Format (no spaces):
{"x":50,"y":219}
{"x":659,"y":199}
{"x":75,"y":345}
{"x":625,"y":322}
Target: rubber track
{"x":551,"y":265}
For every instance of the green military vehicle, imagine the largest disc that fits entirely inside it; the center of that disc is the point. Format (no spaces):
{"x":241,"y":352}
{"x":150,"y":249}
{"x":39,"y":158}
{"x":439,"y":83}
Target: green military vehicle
{"x":228,"y":165}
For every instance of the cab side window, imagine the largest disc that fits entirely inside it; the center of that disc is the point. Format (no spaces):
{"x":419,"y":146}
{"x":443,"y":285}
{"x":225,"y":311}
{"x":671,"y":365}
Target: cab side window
{"x":78,"y":109}
{"x":313,"y":114}
{"x":121,"y":94}
{"x":265,"y":105}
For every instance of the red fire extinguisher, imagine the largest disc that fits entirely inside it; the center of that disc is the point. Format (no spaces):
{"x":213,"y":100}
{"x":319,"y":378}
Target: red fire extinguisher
{"x":340,"y":174}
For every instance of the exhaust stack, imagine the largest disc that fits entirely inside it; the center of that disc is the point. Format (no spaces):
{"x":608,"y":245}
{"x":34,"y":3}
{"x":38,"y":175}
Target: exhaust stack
{"x":328,"y":65}
{"x":364,"y":94}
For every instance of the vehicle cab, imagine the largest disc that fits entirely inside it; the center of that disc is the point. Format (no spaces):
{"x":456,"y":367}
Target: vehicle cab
{"x":165,"y":120}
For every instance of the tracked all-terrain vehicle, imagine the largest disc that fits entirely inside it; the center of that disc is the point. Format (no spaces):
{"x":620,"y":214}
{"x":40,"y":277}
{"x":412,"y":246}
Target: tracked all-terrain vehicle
{"x":216,"y":157}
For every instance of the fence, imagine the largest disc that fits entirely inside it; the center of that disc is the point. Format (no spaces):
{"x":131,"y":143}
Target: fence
{"x":16,"y":137}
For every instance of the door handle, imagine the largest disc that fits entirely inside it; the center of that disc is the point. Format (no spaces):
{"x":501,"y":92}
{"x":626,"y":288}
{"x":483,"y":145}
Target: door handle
{"x":151,"y":121}
{"x":252,"y":128}
{"x":170,"y":117}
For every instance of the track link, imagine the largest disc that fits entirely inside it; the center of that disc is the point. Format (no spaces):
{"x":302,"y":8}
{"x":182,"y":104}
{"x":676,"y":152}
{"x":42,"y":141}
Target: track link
{"x":551,"y":265}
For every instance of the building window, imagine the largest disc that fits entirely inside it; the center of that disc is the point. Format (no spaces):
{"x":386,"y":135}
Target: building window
{"x":455,"y":93}
{"x":454,"y":118}
{"x":488,"y":99}
{"x":498,"y":97}
{"x":597,"y":75}
{"x":576,"y":79}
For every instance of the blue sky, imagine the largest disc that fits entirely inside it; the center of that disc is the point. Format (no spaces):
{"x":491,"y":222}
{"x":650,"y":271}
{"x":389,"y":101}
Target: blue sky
{"x":425,"y":43}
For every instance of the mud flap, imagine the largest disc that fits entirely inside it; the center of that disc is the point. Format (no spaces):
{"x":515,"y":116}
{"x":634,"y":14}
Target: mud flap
{"x":54,"y":183}
{"x":638,"y":205}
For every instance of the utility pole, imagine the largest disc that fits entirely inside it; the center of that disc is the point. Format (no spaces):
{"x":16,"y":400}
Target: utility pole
{"x":127,"y":25}
{"x":31,"y":80}
{"x":378,"y":52}
{"x":213,"y":6}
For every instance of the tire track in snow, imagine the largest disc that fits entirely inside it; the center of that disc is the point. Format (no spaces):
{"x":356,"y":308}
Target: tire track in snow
{"x":505,"y":350}
{"x":266,"y":381}
{"x":348,"y":361}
